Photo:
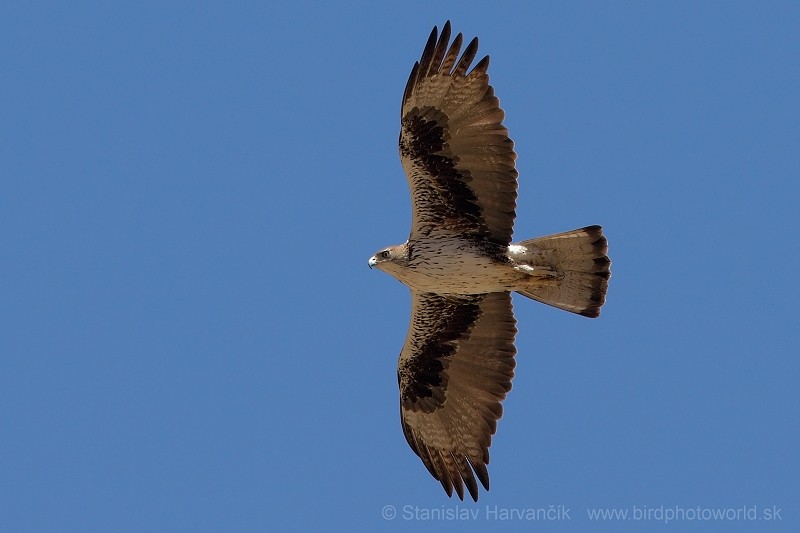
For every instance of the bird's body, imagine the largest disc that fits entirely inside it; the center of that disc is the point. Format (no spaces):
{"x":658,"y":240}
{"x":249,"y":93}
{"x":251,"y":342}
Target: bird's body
{"x":457,"y":362}
{"x":448,"y":266}
{"x":463,"y":267}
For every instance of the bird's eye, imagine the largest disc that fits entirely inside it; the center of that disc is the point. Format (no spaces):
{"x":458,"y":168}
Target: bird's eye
{"x":385,"y":254}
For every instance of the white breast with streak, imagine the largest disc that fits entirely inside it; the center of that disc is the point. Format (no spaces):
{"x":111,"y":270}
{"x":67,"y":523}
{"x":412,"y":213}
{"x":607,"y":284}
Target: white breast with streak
{"x":457,"y":267}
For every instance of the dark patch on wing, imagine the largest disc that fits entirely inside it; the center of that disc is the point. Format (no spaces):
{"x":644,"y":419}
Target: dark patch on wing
{"x":424,"y":140}
{"x":422,"y":377}
{"x":458,"y":158}
{"x":454,"y":370}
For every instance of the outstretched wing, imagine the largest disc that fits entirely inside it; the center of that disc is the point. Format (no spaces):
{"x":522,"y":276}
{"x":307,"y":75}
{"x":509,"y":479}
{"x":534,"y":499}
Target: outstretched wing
{"x":454,"y":148}
{"x":455,"y":369}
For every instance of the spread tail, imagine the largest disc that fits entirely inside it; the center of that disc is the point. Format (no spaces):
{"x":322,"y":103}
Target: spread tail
{"x":581,"y":267}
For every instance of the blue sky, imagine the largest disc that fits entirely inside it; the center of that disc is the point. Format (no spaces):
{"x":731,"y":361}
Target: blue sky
{"x":192,"y":341}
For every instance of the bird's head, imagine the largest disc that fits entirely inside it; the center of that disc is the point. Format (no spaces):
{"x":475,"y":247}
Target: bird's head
{"x":390,"y":258}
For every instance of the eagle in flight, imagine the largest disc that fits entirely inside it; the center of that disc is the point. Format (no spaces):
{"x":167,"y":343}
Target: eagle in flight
{"x":457,"y":362}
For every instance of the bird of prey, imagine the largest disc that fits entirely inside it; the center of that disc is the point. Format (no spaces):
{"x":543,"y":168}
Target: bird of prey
{"x":459,"y":261}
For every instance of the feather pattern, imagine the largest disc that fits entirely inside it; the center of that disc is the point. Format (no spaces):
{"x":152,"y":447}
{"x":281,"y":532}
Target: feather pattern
{"x":454,"y":148}
{"x":457,"y":362}
{"x":454,"y":370}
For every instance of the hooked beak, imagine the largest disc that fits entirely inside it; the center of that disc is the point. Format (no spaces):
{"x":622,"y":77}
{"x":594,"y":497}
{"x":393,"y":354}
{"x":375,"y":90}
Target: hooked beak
{"x":372,"y":261}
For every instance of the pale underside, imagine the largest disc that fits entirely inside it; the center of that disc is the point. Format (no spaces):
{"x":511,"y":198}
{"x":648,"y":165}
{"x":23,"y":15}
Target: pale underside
{"x":446,"y":265}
